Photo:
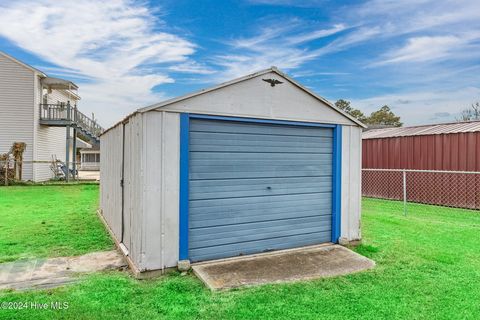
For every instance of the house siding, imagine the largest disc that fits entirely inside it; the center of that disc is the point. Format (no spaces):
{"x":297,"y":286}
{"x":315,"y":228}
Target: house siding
{"x":17,"y":90}
{"x":50,"y":141}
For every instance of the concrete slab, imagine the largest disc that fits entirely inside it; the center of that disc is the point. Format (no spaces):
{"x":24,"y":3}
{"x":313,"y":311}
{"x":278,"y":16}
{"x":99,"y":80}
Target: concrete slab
{"x":283,"y":266}
{"x":49,"y":273}
{"x":89,"y":175}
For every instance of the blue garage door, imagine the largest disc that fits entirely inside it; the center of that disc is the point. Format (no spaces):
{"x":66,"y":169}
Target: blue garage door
{"x":257,"y":187}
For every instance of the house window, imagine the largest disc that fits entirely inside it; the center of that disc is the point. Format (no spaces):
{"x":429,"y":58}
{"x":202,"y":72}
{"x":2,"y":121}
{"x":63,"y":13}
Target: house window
{"x":91,"y":157}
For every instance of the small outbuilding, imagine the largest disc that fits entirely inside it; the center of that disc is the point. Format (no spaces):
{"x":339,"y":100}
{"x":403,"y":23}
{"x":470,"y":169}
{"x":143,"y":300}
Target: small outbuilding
{"x":451,"y":146}
{"x":433,"y":164}
{"x":256,"y":164}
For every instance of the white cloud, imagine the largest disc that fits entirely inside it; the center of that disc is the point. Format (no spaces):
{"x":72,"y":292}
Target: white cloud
{"x":357,"y":36}
{"x":264,"y":35}
{"x":311,"y":73}
{"x":315,"y":34}
{"x":416,"y":15}
{"x":434,"y":27}
{"x":287,"y":45}
{"x":284,"y":47}
{"x":191,"y":67}
{"x":109,"y":42}
{"x":421,"y":49}
{"x":290,"y":3}
{"x":123,"y":50}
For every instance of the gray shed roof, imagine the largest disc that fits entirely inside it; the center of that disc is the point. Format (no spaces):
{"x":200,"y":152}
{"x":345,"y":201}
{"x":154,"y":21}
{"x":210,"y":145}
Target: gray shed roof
{"x":234,"y":81}
{"x":256,"y":74}
{"x":431,"y":129}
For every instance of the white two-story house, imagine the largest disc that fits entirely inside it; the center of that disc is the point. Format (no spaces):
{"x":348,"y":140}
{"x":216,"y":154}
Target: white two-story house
{"x":42,"y":112}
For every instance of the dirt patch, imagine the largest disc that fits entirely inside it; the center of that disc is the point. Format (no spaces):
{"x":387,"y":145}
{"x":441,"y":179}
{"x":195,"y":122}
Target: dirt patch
{"x":48,"y":273}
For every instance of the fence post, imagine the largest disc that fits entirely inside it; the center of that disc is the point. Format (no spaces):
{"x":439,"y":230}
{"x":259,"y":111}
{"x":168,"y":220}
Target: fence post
{"x":6,"y":172}
{"x":69,"y":114}
{"x":404,"y":192}
{"x":67,"y":154}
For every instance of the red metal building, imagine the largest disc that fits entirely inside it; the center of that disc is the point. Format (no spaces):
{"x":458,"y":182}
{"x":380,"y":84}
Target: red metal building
{"x":450,"y":146}
{"x":446,"y":147}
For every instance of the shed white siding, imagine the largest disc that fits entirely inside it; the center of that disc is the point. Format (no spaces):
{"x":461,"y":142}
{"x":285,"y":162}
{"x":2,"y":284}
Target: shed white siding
{"x":351,"y":182}
{"x":16,"y":109}
{"x":151,"y":182}
{"x":133,"y":188}
{"x":110,"y":176}
{"x":161,"y":182}
{"x":255,"y":98}
{"x":152,"y":163}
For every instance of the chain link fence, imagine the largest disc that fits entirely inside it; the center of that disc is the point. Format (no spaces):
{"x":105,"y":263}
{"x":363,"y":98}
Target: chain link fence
{"x":403,"y":188}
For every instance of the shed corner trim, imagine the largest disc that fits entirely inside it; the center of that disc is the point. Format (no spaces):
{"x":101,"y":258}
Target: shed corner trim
{"x":337,"y":183}
{"x":184,"y":195}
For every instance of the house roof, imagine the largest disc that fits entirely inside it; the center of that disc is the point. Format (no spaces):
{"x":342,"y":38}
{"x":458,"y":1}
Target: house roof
{"x":253,"y":75}
{"x":22,"y":64}
{"x":431,"y":129}
{"x":81,"y":144}
{"x":57,"y":83}
{"x":54,"y":83}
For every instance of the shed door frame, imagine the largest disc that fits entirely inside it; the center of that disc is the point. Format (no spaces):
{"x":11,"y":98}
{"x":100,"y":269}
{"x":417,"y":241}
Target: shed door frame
{"x":184,"y":170}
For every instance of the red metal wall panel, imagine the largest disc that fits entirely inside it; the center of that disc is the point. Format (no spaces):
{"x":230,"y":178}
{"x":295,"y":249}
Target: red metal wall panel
{"x":453,"y":152}
{"x":450,"y":152}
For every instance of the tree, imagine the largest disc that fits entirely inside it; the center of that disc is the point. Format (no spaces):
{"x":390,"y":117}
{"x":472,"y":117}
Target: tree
{"x":471,"y":113}
{"x":345,"y":106}
{"x":384,"y":116}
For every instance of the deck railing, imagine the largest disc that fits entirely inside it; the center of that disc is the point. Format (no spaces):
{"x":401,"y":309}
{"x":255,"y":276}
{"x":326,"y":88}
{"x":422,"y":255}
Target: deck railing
{"x":68,"y":114}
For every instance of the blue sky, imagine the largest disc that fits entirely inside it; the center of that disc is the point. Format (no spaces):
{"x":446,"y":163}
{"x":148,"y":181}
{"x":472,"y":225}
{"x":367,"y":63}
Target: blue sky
{"x":420,"y":57}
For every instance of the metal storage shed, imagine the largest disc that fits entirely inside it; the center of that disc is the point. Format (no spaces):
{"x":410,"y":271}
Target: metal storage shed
{"x":440,"y":163}
{"x":256,"y":164}
{"x":443,"y":146}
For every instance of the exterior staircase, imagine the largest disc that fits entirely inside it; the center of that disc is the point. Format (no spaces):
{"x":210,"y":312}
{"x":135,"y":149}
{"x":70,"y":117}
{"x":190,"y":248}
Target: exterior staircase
{"x":66,"y":115}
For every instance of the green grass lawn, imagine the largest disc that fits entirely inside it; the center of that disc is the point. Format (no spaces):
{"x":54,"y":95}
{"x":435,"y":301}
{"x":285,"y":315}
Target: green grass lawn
{"x":428,"y":267}
{"x":50,"y":221}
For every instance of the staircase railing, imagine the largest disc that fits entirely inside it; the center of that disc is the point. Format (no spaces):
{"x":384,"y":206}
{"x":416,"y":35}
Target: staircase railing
{"x":64,"y":112}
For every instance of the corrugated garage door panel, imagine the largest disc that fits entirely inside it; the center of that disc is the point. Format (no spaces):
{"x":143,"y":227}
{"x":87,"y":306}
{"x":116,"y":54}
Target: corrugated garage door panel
{"x":257,"y":187}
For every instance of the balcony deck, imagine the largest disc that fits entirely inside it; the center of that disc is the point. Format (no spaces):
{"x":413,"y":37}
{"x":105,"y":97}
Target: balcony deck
{"x":63,"y":115}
